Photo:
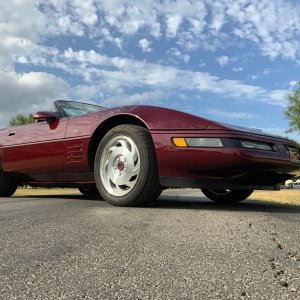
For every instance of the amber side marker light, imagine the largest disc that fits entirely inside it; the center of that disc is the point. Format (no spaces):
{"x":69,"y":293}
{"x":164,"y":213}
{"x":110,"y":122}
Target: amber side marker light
{"x":197,"y":142}
{"x":179,"y":142}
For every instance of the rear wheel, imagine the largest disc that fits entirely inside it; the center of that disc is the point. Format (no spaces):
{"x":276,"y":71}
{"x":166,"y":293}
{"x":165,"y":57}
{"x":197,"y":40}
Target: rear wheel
{"x":7,"y":185}
{"x":89,"y":191}
{"x":226,"y":195}
{"x":125,"y":168}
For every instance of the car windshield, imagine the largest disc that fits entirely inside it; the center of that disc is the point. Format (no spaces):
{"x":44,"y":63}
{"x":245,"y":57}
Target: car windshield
{"x":72,"y":108}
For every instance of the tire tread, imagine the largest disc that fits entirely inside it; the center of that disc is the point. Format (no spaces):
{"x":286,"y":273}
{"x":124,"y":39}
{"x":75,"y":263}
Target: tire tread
{"x":233,"y":197}
{"x":7,"y":185}
{"x":152,"y":186}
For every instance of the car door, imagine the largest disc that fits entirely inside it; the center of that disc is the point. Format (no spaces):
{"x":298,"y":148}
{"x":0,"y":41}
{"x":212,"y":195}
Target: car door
{"x":35,"y":148}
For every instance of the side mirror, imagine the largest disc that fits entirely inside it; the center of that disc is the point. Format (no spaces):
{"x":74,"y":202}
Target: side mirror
{"x":47,"y":116}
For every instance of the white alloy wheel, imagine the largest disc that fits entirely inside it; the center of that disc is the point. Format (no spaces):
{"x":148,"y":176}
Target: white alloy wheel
{"x":119,"y":165}
{"x":125,"y":167}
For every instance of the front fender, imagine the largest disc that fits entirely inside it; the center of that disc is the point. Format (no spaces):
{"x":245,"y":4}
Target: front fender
{"x":158,"y":117}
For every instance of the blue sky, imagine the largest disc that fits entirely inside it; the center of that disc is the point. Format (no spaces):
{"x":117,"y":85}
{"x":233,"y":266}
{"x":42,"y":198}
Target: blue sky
{"x":234,"y":61}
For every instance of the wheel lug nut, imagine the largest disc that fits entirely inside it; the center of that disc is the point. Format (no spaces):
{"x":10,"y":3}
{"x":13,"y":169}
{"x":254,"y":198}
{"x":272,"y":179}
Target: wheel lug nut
{"x":124,"y":159}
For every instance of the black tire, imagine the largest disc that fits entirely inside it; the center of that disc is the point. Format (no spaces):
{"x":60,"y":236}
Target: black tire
{"x":125,"y":167}
{"x":226,"y":196}
{"x":89,"y":191}
{"x":8,"y":185}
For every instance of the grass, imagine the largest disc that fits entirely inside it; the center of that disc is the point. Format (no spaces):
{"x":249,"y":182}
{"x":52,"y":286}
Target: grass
{"x":287,"y":197}
{"x":45,"y":192}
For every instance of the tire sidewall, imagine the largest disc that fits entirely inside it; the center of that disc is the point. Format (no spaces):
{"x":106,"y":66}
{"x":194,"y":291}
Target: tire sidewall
{"x":131,"y":132}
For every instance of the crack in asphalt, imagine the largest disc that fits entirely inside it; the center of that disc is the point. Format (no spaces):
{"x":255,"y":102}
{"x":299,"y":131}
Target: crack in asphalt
{"x":279,"y":274}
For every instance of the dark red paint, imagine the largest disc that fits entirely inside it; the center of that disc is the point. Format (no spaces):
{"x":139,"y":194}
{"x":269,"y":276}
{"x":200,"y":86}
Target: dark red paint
{"x":59,"y":151}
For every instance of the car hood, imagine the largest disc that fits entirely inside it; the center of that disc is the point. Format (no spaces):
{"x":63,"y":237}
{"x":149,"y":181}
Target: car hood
{"x":253,"y":131}
{"x":160,"y":118}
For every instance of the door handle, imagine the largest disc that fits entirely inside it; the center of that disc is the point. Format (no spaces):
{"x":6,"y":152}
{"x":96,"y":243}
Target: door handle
{"x":12,"y":133}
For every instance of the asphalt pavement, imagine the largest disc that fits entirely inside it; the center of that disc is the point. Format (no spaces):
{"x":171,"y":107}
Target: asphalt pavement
{"x":182,"y":247}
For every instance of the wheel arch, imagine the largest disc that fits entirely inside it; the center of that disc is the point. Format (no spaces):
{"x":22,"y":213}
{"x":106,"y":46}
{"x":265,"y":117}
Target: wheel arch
{"x":107,"y":125}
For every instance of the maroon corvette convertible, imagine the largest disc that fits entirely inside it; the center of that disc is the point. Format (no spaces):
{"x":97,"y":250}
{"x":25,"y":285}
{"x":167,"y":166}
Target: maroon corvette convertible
{"x":128,"y":155}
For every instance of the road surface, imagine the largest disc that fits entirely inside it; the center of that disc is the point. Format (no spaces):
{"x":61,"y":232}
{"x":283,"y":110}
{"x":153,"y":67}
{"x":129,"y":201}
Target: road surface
{"x":182,"y":247}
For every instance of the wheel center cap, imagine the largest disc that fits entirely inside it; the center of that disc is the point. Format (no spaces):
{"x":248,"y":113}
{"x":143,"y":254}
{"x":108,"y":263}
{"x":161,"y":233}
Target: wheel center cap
{"x":121,"y":165}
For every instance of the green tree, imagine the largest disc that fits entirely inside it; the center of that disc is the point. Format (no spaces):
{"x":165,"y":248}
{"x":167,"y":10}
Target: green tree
{"x":292,"y":112}
{"x":21,"y":119}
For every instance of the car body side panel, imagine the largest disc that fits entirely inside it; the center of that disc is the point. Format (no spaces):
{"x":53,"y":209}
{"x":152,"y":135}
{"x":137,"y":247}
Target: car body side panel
{"x":34,"y":148}
{"x":76,"y":142}
{"x":75,"y":154}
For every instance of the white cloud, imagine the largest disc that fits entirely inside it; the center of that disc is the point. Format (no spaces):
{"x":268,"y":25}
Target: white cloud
{"x":119,"y":74}
{"x":21,"y":19}
{"x":265,"y":24}
{"x":197,"y":24}
{"x":150,"y":97}
{"x":260,"y":22}
{"x":222,"y":60}
{"x":128,"y":17}
{"x":106,"y":36}
{"x":279,"y":96}
{"x":173,"y":23}
{"x":88,"y":11}
{"x":174,"y":52}
{"x":238,"y":69}
{"x":293,"y":83}
{"x":70,"y":17}
{"x":26,"y":27}
{"x":272,"y":130}
{"x":144,"y":44}
{"x":231,"y":115}
{"x":21,"y":26}
{"x":218,"y":15}
{"x":23,"y":93}
{"x":278,"y":131}
{"x":194,"y":23}
{"x":86,"y":92}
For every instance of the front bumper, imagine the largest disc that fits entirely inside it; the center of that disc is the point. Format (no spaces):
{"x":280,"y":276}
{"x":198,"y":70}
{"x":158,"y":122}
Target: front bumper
{"x":231,"y":166}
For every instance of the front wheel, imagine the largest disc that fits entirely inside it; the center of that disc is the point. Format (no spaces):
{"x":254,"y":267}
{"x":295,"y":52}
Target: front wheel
{"x":125,"y":167}
{"x":226,"y":195}
{"x":7,"y":185}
